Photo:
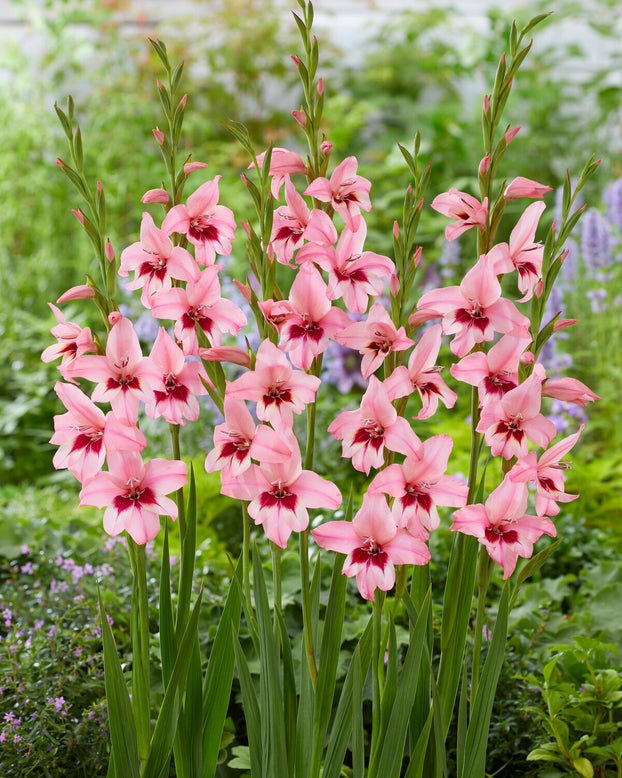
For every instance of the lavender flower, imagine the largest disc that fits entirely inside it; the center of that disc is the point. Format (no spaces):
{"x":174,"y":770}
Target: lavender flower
{"x":595,"y":240}
{"x":612,"y":197}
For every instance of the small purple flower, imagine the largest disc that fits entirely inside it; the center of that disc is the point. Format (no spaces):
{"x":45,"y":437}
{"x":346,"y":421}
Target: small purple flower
{"x":595,"y":240}
{"x":612,"y":197}
{"x":27,"y":569}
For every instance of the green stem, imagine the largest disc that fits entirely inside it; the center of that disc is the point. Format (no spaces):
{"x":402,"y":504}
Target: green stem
{"x":377,"y":669}
{"x":181,"y":508}
{"x":140,"y":649}
{"x":246,"y":554}
{"x":306,"y":603}
{"x":483,"y":579}
{"x":276,"y":575}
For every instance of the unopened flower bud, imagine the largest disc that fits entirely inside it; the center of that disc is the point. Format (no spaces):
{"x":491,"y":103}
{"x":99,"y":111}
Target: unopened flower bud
{"x":510,"y":133}
{"x":417,"y":256}
{"x":296,"y":60}
{"x":114,"y":317}
{"x":60,"y":163}
{"x":100,"y":188}
{"x":160,"y":85}
{"x":243,"y":289}
{"x":81,"y":292}
{"x":538,"y":289}
{"x":191,"y":167}
{"x":79,"y":215}
{"x":525,"y":187}
{"x":183,"y":101}
{"x":155,"y":196}
{"x":527,"y":358}
{"x":486,"y":104}
{"x":326,"y":147}
{"x":396,"y":230}
{"x":159,"y":136}
{"x":394,"y":285}
{"x":484,"y":167}
{"x":109,"y":251}
{"x":246,"y":225}
{"x":300,"y":117}
{"x":561,"y":324}
{"x":320,"y":87}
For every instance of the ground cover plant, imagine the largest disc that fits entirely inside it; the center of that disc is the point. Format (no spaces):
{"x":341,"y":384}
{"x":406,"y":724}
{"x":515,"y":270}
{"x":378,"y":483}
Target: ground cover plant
{"x":262,"y":464}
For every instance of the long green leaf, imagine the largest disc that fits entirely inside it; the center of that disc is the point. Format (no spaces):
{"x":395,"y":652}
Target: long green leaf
{"x":123,"y":742}
{"x":477,"y":734}
{"x":342,"y":723}
{"x":304,"y":723}
{"x":289,"y":693}
{"x":329,"y":659}
{"x":270,"y":694}
{"x":251,"y":710}
{"x":219,"y":677}
{"x":167,"y":624}
{"x":358,"y":741}
{"x":188,"y":554}
{"x":166,"y":724}
{"x":395,"y":735}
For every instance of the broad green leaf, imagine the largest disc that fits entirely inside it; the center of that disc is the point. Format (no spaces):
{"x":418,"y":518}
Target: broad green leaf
{"x":251,"y":710}
{"x":219,"y":677}
{"x":166,"y":723}
{"x":477,"y":734}
{"x":123,"y":743}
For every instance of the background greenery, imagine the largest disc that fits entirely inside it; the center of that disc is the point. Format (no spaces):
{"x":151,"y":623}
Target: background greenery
{"x":423,"y":70}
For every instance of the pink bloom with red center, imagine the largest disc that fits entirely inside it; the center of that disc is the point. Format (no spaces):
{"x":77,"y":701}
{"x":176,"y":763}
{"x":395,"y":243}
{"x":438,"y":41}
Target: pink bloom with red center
{"x":374,"y":544}
{"x":547,"y":473}
{"x":209,"y":226}
{"x":466,"y":209}
{"x":84,"y":434}
{"x":72,"y":340}
{"x":282,"y":163}
{"x":522,"y":253}
{"x":495,"y":372}
{"x":346,"y":192}
{"x":366,"y":431}
{"x":568,"y":390}
{"x":423,"y":375}
{"x":511,"y":422}
{"x":419,"y":485}
{"x":238,"y":440}
{"x":175,"y":393}
{"x":374,"y":338}
{"x":124,"y":377}
{"x":502,"y":526}
{"x":200,"y":303}
{"x":278,"y":389}
{"x":155,"y":261}
{"x":475,"y":310}
{"x":525,"y":187}
{"x":133,"y":493}
{"x":294,"y":222}
{"x":311,"y":321}
{"x":353,"y":274}
{"x":281,"y":492}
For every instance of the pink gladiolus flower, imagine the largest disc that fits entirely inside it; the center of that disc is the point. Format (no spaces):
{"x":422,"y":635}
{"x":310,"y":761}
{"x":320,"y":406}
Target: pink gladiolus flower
{"x":209,"y":226}
{"x":525,"y":187}
{"x":466,"y":209}
{"x":278,"y":389}
{"x":419,"y":485}
{"x":345,"y":191}
{"x":495,"y":372}
{"x":547,"y":473}
{"x":84,"y":434}
{"x":282,"y":163}
{"x":522,"y":253}
{"x":365,"y":432}
{"x":475,"y":310}
{"x":155,"y":261}
{"x":233,"y":354}
{"x":373,"y":544}
{"x":568,"y":390}
{"x":281,"y":492}
{"x":175,"y":393}
{"x":294,"y":222}
{"x":311,"y":320}
{"x":509,"y":423}
{"x":72,"y":341}
{"x":502,"y":526}
{"x":238,"y":440}
{"x":133,"y":493}
{"x":374,"y":338}
{"x":353,"y":274}
{"x":124,"y":377}
{"x":422,"y":375}
{"x":200,"y":303}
